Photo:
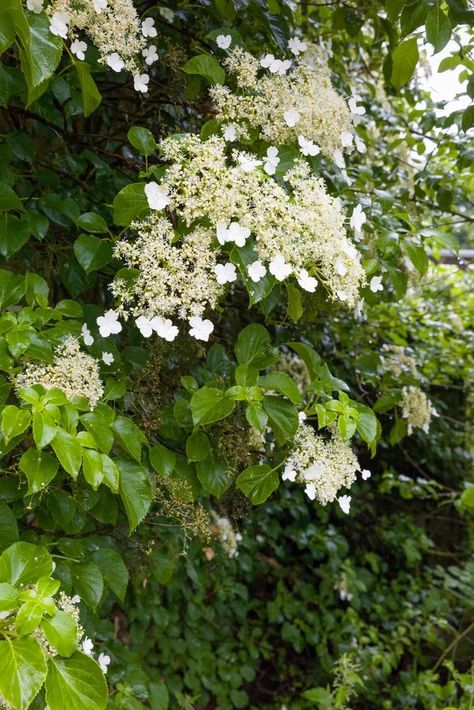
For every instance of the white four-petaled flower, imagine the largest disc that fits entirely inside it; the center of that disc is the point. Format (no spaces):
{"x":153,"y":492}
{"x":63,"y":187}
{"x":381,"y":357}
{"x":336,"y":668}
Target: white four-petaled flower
{"x":346,"y":139}
{"x":365,"y":474}
{"x":310,"y":490}
{"x":307,"y":282}
{"x":291,"y":117}
{"x":295,"y":45}
{"x":107,"y":358}
{"x":345,"y":503}
{"x":103,"y":661}
{"x":338,"y":158}
{"x":200,"y":328}
{"x":358,"y":218}
{"x":224,"y":41}
{"x":144,"y":326}
{"x":58,"y":24}
{"x":140,"y":82}
{"x":289,"y":474}
{"x":157,"y":196}
{"x":99,"y":5}
{"x":341,"y":268}
{"x":307,"y":147}
{"x":150,"y":54}
{"x":279,"y":268}
{"x":354,"y":108}
{"x":87,"y":646}
{"x":148,"y":27}
{"x":271,"y":160}
{"x":376,"y":284}
{"x":225,"y":273}
{"x":86,"y":335}
{"x":35,"y":6}
{"x":256,"y":271}
{"x":78,"y":48}
{"x":248,"y":162}
{"x":235,"y":232}
{"x":109,"y":323}
{"x":230,"y":134}
{"x":275,"y":66}
{"x":115,"y":61}
{"x":164,"y":328}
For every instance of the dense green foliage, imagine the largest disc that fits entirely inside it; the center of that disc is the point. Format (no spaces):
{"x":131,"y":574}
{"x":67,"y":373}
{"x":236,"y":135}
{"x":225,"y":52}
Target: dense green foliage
{"x":129,"y":497}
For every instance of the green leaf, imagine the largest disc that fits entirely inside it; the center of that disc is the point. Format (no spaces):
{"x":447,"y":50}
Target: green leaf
{"x":438,"y":28}
{"x":92,"y":468}
{"x":8,"y":526}
{"x":281,"y":382}
{"x":404,"y":59}
{"x":142,"y":139}
{"x":367,"y":426}
{"x":253,"y":347}
{"x":394,"y":7}
{"x":92,"y":222}
{"x":257,"y":483}
{"x":129,"y":436}
{"x":162,"y":459}
{"x":309,"y":356}
{"x":135,"y":491}
{"x":40,"y":53}
{"x":130,"y":204}
{"x":23,"y":563}
{"x":90,"y":94}
{"x":98,"y":423}
{"x":11,"y":12}
{"x":14,"y":422}
{"x":467,"y":497}
{"x":283,"y":417}
{"x":256,"y":416}
{"x":198,"y":446}
{"x":69,"y":452}
{"x":88,"y":582}
{"x":8,"y":597}
{"x":40,"y":468}
{"x":61,"y":633}
{"x":207,"y":66}
{"x":23,"y":665}
{"x":75,"y":683}
{"x":44,"y":429}
{"x":110,"y":473}
{"x":295,"y":306}
{"x":12,"y":288}
{"x":210,"y":404}
{"x":113,"y":570}
{"x":9,"y":200}
{"x":417,"y":256}
{"x":468,"y":118}
{"x":14,"y":233}
{"x":92,"y":252}
{"x":214,"y":476}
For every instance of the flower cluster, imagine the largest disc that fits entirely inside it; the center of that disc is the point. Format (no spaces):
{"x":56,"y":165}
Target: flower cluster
{"x":288,"y":101}
{"x":324,"y":465}
{"x":113,"y":26}
{"x":228,"y":538}
{"x":72,"y":371}
{"x":417,"y":409}
{"x":396,"y":360}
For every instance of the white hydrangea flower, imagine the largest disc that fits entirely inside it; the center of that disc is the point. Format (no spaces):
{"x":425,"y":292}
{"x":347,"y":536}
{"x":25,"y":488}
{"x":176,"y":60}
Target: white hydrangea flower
{"x":99,"y":5}
{"x":347,"y":138}
{"x":86,"y":335}
{"x":279,"y":268}
{"x":289,"y":474}
{"x":248,"y":162}
{"x":307,"y":282}
{"x":275,"y":66}
{"x":307,"y":147}
{"x":59,"y":24}
{"x":164,"y":328}
{"x":200,"y":328}
{"x":358,"y":218}
{"x":107,"y":358}
{"x":150,"y":54}
{"x":310,"y":490}
{"x":339,"y":159}
{"x":144,"y":326}
{"x":291,"y":117}
{"x":354,"y":108}
{"x":256,"y":271}
{"x":157,"y":196}
{"x":35,"y":6}
{"x":78,"y":48}
{"x":103,"y":661}
{"x":365,"y":474}
{"x":271,"y":160}
{"x":109,"y":323}
{"x":230,"y":134}
{"x":267,"y":60}
{"x":341,"y":294}
{"x":225,"y":273}
{"x":140,"y":82}
{"x":148,"y":27}
{"x":235,"y":232}
{"x":224,"y":41}
{"x":296,"y":46}
{"x":87,"y":646}
{"x":360,"y":145}
{"x":376,"y":284}
{"x":345,"y":503}
{"x":302,"y":417}
{"x":115,"y":62}
{"x":76,"y":599}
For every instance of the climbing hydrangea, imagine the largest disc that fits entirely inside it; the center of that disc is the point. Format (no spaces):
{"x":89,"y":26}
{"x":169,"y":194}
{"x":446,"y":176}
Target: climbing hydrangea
{"x":416,"y":409}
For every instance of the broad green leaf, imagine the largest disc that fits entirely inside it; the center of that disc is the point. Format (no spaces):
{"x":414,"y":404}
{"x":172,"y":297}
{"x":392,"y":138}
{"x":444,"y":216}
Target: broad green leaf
{"x":23,"y":671}
{"x":14,"y":233}
{"x":281,"y":382}
{"x":207,"y":66}
{"x":256,"y":416}
{"x":88,"y":582}
{"x":135,"y":491}
{"x":9,"y":200}
{"x":257,"y":483}
{"x":44,"y":429}
{"x":110,"y":472}
{"x":90,"y":94}
{"x":198,"y":446}
{"x":92,"y":252}
{"x":75,"y":683}
{"x":214,"y":476}
{"x":12,"y":288}
{"x":8,"y":526}
{"x":61,"y":633}
{"x":367,"y":426}
{"x":467,"y":498}
{"x":10,"y":12}
{"x":417,"y":256}
{"x":40,"y":53}
{"x":92,"y":222}
{"x":40,"y":468}
{"x":113,"y":570}
{"x":210,"y":404}
{"x":404,"y":61}
{"x":8,"y":596}
{"x":130,"y":204}
{"x":295,"y":306}
{"x":253,"y":347}
{"x":283,"y":417}
{"x":142,"y":139}
{"x":14,"y":422}
{"x":162,"y":565}
{"x":98,"y":424}
{"x":438,"y":28}
{"x":129,"y":436}
{"x":23,"y":563}
{"x":28,"y":618}
{"x":69,"y":452}
{"x":92,"y":468}
{"x":162,"y":459}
